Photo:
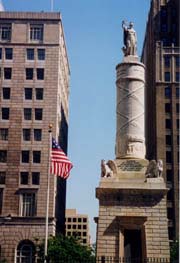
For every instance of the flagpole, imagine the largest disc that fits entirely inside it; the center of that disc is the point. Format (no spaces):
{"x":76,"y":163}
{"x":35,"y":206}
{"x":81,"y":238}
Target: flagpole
{"x":47,"y":203}
{"x":52,"y":5}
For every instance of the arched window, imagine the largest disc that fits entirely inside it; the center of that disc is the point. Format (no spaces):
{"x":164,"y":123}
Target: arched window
{"x":25,"y":252}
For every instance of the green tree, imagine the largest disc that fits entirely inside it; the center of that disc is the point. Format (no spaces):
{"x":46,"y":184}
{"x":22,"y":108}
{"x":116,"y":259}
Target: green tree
{"x":174,"y":250}
{"x":65,"y":249}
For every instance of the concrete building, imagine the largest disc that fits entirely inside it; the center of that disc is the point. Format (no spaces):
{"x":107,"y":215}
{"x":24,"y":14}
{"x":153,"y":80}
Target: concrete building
{"x":34,"y":89}
{"x":161,"y":57}
{"x":77,"y":225}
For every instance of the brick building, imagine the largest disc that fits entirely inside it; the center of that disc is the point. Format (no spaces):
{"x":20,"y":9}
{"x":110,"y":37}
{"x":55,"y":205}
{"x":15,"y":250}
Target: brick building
{"x":34,"y":89}
{"x":161,"y":57}
{"x":77,"y":225}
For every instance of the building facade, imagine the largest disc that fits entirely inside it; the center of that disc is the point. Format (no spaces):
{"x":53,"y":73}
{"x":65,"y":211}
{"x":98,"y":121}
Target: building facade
{"x":77,"y":225}
{"x":161,"y":58}
{"x":34,"y":89}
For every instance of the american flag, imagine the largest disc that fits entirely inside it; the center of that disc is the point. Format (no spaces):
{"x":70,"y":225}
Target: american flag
{"x":60,"y":164}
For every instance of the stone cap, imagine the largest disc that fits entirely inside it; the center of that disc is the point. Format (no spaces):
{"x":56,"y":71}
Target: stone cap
{"x":30,"y":15}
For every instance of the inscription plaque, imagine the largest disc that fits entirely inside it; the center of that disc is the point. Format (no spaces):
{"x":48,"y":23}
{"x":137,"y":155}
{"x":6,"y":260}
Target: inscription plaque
{"x":131,"y":165}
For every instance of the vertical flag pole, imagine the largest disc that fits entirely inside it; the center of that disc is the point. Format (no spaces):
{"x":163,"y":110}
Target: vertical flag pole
{"x":47,"y":204}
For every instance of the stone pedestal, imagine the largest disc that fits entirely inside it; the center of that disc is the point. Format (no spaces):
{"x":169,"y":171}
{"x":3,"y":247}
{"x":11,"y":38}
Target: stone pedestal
{"x":128,"y":201}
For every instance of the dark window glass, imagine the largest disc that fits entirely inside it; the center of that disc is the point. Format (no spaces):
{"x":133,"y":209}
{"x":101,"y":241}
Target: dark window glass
{"x":167,"y":76}
{"x":35,"y":178}
{"x":177,"y":93}
{"x":168,"y":139}
{"x":30,"y":53}
{"x":5,"y":32}
{"x":163,"y":12}
{"x":177,"y":107}
{"x":164,"y":27}
{"x":79,"y":220}
{"x":26,"y":134}
{"x":84,"y":220}
{"x":169,"y":175}
{"x":41,"y":54}
{"x":178,"y":157}
{"x":40,"y":73}
{"x":69,"y":226}
{"x":167,"y":92}
{"x":167,"y":60}
{"x":27,"y":113}
{"x":28,"y":93}
{"x":8,"y":53}
{"x":25,"y":156}
{"x":170,"y":213}
{"x":1,"y":199}
{"x":24,"y":177}
{"x":3,"y":134}
{"x":84,"y":234}
{"x":167,"y":107}
{"x":69,"y":219}
{"x":168,"y":124}
{"x":36,"y":156}
{"x":177,"y":124}
{"x":84,"y":241}
{"x":74,"y":226}
{"x":174,"y":27}
{"x":38,"y":114}
{"x":0,"y":53}
{"x":7,"y":73}
{"x":36,"y":32}
{"x":29,"y":73}
{"x":39,"y":94}
{"x":177,"y":76}
{"x":37,"y":134}
{"x":177,"y":139}
{"x":79,"y":226}
{"x":84,"y":227}
{"x":5,"y":113}
{"x":6,"y":93}
{"x":3,"y":156}
{"x":2,"y":177}
{"x":28,"y":208}
{"x":168,"y":157}
{"x":177,"y":62}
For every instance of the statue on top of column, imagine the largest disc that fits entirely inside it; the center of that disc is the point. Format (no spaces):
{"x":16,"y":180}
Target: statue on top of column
{"x":130,"y":39}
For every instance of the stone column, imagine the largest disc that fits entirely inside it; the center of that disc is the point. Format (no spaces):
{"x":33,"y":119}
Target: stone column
{"x":130,"y":142}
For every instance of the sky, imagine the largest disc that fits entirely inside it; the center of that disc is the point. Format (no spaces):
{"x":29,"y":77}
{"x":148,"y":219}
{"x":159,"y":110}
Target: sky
{"x":94,"y":39}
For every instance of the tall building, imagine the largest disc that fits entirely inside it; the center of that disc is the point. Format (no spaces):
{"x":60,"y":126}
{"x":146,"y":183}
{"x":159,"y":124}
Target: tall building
{"x":77,"y":225}
{"x":34,"y":89}
{"x":161,"y":57}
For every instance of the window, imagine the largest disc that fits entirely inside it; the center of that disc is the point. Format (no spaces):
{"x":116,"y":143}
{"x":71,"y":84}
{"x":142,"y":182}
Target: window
{"x":74,"y":219}
{"x":5,"y":113}
{"x":41,"y":54}
{"x":177,"y":124}
{"x":84,"y":220}
{"x":40,"y":73}
{"x":38,"y":114}
{"x":168,"y":139}
{"x":24,"y":176}
{"x":79,"y":226}
{"x":28,"y":93}
{"x":1,"y":199}
{"x":6,"y":93}
{"x":167,"y":60}
{"x":0,"y":53}
{"x":7,"y":73}
{"x":39,"y":93}
{"x":69,"y":226}
{"x":35,"y":178}
{"x":177,"y":62}
{"x":29,"y":73}
{"x":84,"y":227}
{"x":37,"y":134}
{"x":27,"y":114}
{"x":167,"y":92}
{"x":25,"y":156}
{"x":36,"y":32}
{"x":26,"y":134}
{"x":74,"y":226}
{"x":69,"y":219}
{"x":3,"y":156}
{"x":30,"y":53}
{"x":177,"y":93}
{"x":177,"y":76}
{"x":178,"y":156}
{"x":84,"y":234}
{"x":177,"y":139}
{"x":177,"y":107}
{"x":2,"y":177}
{"x":5,"y":32}
{"x":164,"y":27}
{"x":169,"y":175}
{"x":8,"y":53}
{"x":25,"y":252}
{"x":79,"y":220}
{"x":36,"y":156}
{"x":168,"y":157}
{"x":168,"y":124}
{"x":167,"y":76}
{"x":3,"y":134}
{"x":84,"y":241}
{"x":167,"y":107}
{"x":28,"y":204}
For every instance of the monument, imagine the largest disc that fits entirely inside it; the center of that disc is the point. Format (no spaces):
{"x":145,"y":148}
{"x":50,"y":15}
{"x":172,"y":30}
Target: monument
{"x":132,"y":222}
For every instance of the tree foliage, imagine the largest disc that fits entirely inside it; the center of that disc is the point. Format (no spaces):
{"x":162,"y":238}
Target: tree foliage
{"x":174,"y":250}
{"x":65,"y":249}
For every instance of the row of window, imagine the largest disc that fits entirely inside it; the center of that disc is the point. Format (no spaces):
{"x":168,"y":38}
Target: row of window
{"x":168,"y":92}
{"x":168,"y":124}
{"x":28,"y":93}
{"x":35,"y":32}
{"x":168,"y":59}
{"x":30,"y":54}
{"x":76,"y":226}
{"x":168,"y":107}
{"x":28,"y":112}
{"x":167,"y":76}
{"x":25,"y":156}
{"x":76,"y":234}
{"x":26,"y":178}
{"x":169,"y":140}
{"x":29,"y":73}
{"x":26,"y":134}
{"x":169,"y":157}
{"x":169,"y":177}
{"x":76,"y":219}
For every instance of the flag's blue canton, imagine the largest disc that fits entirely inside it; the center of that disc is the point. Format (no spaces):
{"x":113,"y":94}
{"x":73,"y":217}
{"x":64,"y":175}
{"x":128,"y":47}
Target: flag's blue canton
{"x":55,"y":145}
